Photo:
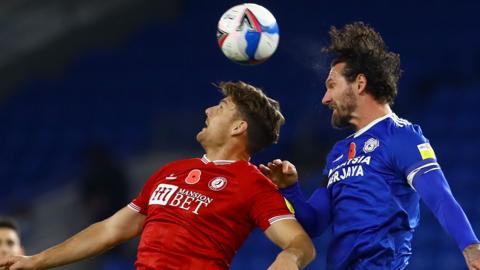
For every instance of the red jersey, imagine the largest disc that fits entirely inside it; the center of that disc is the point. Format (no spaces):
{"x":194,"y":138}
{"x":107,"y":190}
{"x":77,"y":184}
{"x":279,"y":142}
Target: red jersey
{"x":198,"y":213}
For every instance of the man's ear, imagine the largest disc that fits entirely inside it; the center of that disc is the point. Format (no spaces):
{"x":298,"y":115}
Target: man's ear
{"x":361,"y":83}
{"x":239,"y":127}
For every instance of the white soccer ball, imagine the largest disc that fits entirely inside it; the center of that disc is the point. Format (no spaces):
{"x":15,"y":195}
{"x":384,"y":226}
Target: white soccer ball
{"x":248,"y":34}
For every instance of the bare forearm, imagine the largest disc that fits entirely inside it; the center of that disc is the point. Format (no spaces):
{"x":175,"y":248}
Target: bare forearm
{"x":301,"y":250}
{"x":472,"y":256}
{"x":90,"y":242}
{"x":123,"y":225}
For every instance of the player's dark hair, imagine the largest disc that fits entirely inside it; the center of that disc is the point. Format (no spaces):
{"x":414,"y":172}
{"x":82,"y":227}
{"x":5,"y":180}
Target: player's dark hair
{"x":9,"y":224}
{"x":363,"y":51}
{"x":261,"y":113}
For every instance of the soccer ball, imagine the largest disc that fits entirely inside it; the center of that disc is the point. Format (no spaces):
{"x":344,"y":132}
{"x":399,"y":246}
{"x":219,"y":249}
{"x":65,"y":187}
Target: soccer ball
{"x":248,"y":34}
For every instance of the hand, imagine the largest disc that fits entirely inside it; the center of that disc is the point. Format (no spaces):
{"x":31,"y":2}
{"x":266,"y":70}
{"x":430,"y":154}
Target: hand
{"x":284,"y":261}
{"x":18,"y":263}
{"x":282,"y":173}
{"x":472,"y":256}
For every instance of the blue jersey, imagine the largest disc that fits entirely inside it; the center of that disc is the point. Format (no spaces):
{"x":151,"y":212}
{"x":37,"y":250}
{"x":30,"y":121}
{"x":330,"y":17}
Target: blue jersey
{"x":375,"y":208}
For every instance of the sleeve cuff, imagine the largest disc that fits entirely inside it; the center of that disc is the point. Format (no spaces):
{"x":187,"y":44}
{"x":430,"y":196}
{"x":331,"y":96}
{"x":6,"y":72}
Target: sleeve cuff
{"x":292,"y":191}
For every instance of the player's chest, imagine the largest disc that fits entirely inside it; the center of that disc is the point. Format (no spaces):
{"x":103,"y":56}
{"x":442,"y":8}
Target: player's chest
{"x":354,"y":161}
{"x":194,"y":191}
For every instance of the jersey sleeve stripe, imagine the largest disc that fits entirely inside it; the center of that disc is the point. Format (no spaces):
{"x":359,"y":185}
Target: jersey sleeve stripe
{"x":411,"y":175}
{"x":433,"y":169}
{"x":134,"y":207}
{"x":279,"y":218}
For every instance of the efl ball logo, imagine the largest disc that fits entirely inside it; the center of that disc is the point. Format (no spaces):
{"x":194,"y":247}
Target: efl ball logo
{"x":248,"y":34}
{"x":217,"y":183}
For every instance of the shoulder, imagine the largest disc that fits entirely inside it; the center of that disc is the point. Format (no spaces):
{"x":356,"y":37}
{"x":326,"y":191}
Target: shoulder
{"x":406,"y":143}
{"x":399,"y":130}
{"x":254,"y":177}
{"x":172,"y":168}
{"x":182,"y":163}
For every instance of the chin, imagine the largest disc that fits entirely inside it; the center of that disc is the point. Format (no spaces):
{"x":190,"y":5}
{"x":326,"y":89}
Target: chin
{"x":340,"y":122}
{"x":202,"y":134}
{"x":199,"y":136}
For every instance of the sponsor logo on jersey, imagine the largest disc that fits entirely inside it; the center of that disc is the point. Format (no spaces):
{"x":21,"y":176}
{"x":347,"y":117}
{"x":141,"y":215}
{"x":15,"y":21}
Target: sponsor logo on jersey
{"x":352,"y":151}
{"x":370,"y":145}
{"x":193,"y":177}
{"x":350,"y":168}
{"x":171,"y":195}
{"x":217,"y":183}
{"x":162,"y":194}
{"x":426,"y":151}
{"x":171,"y":177}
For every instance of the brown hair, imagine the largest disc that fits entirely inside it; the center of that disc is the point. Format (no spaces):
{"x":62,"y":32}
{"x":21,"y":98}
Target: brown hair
{"x":9,"y":224}
{"x":363,"y":51}
{"x":261,"y":113}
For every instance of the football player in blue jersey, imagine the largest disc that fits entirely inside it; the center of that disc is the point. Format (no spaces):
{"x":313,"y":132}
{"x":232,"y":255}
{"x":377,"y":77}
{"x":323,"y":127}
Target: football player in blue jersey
{"x":375,"y":177}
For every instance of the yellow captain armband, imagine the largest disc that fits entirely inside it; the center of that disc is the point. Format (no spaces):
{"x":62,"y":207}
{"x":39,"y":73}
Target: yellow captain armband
{"x":289,"y":206}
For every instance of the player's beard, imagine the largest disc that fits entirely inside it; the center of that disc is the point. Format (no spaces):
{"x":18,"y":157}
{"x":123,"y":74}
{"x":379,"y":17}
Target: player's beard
{"x":342,"y":114}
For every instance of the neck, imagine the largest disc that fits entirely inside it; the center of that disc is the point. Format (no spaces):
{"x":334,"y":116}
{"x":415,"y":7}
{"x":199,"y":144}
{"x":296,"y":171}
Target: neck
{"x":364,"y":115}
{"x":227,"y":153}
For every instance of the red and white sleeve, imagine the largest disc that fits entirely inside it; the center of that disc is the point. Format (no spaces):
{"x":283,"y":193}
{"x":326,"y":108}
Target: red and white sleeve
{"x":140,"y":203}
{"x":268,"y":205}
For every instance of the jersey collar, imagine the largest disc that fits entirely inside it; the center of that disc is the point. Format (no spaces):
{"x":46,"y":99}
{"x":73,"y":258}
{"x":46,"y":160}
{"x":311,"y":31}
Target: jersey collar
{"x":217,"y":162}
{"x":371,"y":124}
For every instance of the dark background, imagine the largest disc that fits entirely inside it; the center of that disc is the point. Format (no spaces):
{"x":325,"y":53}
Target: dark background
{"x":95,"y":95}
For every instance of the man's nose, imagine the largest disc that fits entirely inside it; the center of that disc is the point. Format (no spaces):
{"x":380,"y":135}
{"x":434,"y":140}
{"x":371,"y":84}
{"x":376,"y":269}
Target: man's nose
{"x":3,"y":251}
{"x":208,"y":111}
{"x":327,"y":98}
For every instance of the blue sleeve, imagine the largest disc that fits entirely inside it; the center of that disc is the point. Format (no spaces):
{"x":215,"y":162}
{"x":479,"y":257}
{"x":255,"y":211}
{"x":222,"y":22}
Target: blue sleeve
{"x":434,"y":190}
{"x":410,"y":151}
{"x":314,"y":214}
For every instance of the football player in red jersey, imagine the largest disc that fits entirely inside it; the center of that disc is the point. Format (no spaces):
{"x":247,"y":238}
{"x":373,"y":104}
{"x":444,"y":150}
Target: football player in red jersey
{"x":195,"y":214}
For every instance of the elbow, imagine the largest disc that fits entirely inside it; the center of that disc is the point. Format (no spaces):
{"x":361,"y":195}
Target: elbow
{"x":105,"y":236}
{"x":109,"y":235}
{"x":308,"y":252}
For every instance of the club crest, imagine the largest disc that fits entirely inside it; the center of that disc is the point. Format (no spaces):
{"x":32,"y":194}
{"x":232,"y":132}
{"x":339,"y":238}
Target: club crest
{"x":217,"y":183}
{"x":370,"y":145}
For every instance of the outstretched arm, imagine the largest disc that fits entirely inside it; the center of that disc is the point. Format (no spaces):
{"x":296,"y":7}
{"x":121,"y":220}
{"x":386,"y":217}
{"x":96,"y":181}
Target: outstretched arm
{"x":434,"y":190}
{"x":298,"y":249}
{"x":314,"y":214}
{"x":97,"y":238}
